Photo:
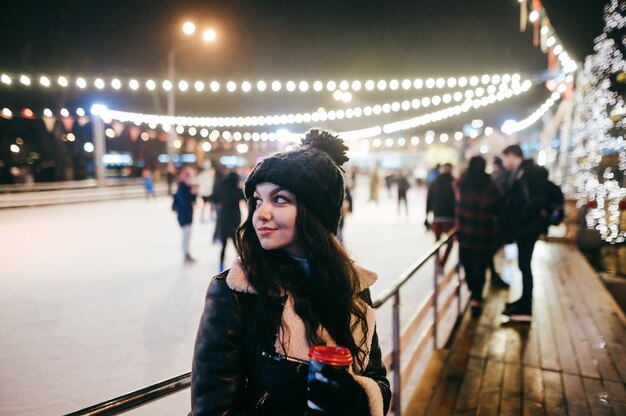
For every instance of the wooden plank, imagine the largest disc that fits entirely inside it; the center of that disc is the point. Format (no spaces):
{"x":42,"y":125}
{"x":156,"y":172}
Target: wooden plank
{"x":480,"y":344}
{"x":492,"y":308}
{"x":511,"y":401}
{"x":445,"y":397}
{"x":467,"y":400}
{"x":579,"y":339}
{"x":547,"y":344}
{"x":617,"y":397}
{"x":533,"y":404}
{"x":607,"y":302}
{"x":618,"y":355}
{"x":411,"y":329}
{"x":497,"y":344}
{"x":425,"y":338}
{"x":531,"y":348}
{"x":491,"y":389}
{"x":596,"y":342}
{"x":564,"y":343}
{"x":446,"y":305}
{"x":604,"y":364}
{"x":517,"y":337}
{"x":553,"y":394}
{"x":575,"y":399}
{"x":595,"y":311}
{"x":597,"y":397}
{"x":420,"y":400}
{"x":445,"y":281}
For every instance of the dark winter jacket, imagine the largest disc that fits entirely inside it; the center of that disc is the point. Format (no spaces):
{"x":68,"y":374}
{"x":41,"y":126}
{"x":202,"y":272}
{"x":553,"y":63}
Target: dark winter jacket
{"x":440,"y":199}
{"x":231,"y":377}
{"x":183,"y":203}
{"x":500,"y":178}
{"x":478,"y":203}
{"x":403,"y":185}
{"x":524,"y":214}
{"x":228,"y":194}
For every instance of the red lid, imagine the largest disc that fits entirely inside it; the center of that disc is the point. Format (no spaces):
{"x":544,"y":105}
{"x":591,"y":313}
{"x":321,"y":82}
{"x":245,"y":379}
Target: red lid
{"x":338,"y":356}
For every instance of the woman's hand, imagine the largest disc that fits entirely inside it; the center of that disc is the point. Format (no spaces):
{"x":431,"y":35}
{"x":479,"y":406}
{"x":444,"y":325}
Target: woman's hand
{"x":342,"y":395}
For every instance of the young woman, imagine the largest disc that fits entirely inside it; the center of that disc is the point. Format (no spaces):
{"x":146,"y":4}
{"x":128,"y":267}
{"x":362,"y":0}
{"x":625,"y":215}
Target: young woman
{"x":184,"y":201}
{"x":478,"y":200}
{"x":293,"y":287}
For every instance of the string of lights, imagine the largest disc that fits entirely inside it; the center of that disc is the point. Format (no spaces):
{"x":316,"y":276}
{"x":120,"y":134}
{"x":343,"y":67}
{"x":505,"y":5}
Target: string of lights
{"x":318,"y":115}
{"x":547,"y":38}
{"x":8,"y":79}
{"x":193,"y":126}
{"x":512,"y":126}
{"x":372,"y":131}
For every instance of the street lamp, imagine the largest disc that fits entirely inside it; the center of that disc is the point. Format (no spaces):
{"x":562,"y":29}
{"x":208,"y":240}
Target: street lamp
{"x":188,"y":28}
{"x":209,"y":35}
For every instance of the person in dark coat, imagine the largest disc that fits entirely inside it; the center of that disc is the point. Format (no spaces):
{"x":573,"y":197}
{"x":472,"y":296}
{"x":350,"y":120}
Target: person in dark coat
{"x":403,"y":187}
{"x":345,"y":211}
{"x":432,"y":174}
{"x":184,"y":201}
{"x":500,"y":175}
{"x":441,"y":202}
{"x":228,"y":195}
{"x":476,"y":212}
{"x":217,"y":232}
{"x":170,"y":176}
{"x":524,"y":219}
{"x":500,"y":178}
{"x":292,"y":287}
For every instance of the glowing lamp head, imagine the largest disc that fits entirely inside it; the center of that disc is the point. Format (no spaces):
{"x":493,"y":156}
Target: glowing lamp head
{"x":189,"y":28}
{"x":209,"y":35}
{"x":508,"y":127}
{"x":98,"y":109}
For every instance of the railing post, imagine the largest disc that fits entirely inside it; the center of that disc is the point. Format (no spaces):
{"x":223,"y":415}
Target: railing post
{"x":395,"y":362}
{"x":458,"y":288}
{"x":435,"y":300}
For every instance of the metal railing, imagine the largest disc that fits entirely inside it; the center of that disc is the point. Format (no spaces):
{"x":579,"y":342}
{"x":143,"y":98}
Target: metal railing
{"x":400,"y":340}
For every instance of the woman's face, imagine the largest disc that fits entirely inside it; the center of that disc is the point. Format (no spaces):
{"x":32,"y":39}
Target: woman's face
{"x":274,"y":218}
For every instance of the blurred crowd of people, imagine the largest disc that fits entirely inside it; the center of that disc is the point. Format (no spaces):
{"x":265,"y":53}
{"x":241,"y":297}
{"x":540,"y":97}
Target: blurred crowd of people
{"x":515,"y":204}
{"x":511,"y":204}
{"x":219,"y":194}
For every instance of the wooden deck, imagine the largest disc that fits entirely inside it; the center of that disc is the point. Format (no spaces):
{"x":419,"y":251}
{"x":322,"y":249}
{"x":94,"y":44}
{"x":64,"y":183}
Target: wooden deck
{"x":570,"y":361}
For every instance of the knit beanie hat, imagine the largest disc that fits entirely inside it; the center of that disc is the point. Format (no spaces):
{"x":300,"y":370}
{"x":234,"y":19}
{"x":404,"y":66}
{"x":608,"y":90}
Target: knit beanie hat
{"x":312,"y":172}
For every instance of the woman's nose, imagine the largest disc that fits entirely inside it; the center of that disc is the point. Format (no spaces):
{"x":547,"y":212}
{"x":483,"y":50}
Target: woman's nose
{"x":264,"y":211}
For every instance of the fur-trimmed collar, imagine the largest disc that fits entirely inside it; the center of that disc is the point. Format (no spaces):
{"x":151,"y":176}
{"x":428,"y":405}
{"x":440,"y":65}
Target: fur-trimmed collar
{"x":292,"y":341}
{"x":238,"y":281}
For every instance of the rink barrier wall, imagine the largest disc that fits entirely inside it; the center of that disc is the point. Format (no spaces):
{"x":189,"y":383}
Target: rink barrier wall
{"x":428,"y":317}
{"x":13,"y":196}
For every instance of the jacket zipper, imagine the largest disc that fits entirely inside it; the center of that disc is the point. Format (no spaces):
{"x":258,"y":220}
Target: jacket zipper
{"x":262,"y":400}
{"x":285,"y":360}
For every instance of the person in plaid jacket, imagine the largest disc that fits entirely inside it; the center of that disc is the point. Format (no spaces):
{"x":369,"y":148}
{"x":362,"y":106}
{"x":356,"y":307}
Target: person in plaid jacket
{"x":477,"y":206}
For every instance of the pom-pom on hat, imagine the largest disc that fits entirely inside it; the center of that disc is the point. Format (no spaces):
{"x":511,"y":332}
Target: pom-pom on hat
{"x":312,"y":172}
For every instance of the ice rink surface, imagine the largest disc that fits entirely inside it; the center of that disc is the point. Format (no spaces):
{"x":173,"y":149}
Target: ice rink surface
{"x":96,"y":300}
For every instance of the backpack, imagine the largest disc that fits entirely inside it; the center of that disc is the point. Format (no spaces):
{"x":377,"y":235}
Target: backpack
{"x":555,"y":203}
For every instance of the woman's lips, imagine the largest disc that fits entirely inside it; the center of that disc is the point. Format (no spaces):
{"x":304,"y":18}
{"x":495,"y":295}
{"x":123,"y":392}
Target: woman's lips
{"x":264,"y":231}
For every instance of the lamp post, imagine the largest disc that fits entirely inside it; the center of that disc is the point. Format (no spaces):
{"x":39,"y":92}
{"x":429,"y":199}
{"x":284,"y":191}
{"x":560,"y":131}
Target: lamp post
{"x":188,"y":28}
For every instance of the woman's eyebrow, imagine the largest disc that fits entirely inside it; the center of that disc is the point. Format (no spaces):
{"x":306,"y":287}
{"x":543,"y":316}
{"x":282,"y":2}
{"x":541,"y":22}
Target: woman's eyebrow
{"x":277,"y":190}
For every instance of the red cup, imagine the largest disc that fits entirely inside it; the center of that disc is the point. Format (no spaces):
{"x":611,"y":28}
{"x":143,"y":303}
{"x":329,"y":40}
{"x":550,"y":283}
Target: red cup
{"x":321,"y":357}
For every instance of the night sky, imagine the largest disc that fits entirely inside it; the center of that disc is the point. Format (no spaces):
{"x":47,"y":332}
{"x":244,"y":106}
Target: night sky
{"x":282,"y":40}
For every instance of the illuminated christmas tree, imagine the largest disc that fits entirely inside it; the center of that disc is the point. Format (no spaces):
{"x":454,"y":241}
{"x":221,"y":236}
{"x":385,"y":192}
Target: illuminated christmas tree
{"x":598,"y":146}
